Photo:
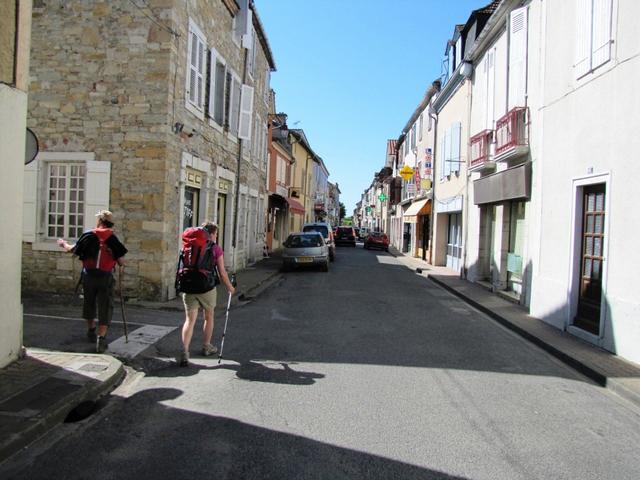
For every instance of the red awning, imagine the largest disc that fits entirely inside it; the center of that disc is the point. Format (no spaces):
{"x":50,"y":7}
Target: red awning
{"x":295,"y":206}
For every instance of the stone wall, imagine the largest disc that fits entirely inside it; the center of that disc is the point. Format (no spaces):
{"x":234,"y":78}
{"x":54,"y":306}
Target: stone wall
{"x":109,"y":80}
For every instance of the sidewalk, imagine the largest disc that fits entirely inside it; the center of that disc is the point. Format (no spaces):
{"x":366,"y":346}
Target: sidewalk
{"x":39,"y":391}
{"x":606,"y":369}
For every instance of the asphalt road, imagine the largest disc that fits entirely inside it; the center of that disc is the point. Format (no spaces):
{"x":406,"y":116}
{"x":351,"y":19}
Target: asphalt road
{"x":368,"y":371}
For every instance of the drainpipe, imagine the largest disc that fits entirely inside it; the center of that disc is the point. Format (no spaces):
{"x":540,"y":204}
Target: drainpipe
{"x":234,"y":241}
{"x":434,"y":163}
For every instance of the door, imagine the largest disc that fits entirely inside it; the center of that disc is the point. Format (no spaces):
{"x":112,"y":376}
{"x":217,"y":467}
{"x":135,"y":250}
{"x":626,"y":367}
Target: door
{"x":591,"y":258}
{"x":516,"y":246}
{"x":406,"y":237}
{"x":425,"y":236}
{"x":221,"y":215}
{"x":191,"y":201}
{"x":454,"y":241}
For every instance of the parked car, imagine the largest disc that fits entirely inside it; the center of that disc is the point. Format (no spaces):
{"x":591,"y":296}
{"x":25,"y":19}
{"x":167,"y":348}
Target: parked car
{"x":377,"y":240}
{"x":305,"y":250}
{"x":363,"y":232}
{"x":346,"y":235}
{"x":325,"y":229}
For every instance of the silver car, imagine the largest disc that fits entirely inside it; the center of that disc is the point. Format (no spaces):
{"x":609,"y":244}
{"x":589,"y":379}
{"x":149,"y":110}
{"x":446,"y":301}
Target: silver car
{"x":305,"y":249}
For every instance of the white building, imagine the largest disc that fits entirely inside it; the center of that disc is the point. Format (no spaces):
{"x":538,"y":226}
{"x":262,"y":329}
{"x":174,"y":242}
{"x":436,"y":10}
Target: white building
{"x":15,"y":34}
{"x":583,"y":266}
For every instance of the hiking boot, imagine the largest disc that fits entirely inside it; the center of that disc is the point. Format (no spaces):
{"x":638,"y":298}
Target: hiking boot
{"x":101,"y":344}
{"x":91,"y":335}
{"x":208,"y":350}
{"x":183,"y":359}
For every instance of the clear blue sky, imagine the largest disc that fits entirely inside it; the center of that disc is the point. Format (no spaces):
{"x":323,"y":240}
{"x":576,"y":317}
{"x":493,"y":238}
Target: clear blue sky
{"x":352,"y":72}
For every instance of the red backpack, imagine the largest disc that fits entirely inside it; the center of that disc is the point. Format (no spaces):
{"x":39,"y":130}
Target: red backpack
{"x":104,"y":261}
{"x":196,"y":271}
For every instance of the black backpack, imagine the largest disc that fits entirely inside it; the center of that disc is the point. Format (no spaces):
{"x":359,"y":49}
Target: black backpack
{"x":196,"y":271}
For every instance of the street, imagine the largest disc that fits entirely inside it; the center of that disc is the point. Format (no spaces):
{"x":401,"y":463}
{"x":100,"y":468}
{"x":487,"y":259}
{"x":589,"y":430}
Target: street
{"x":367,"y":371}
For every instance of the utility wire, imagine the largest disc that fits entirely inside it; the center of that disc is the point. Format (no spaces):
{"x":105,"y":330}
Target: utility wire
{"x":154,"y":19}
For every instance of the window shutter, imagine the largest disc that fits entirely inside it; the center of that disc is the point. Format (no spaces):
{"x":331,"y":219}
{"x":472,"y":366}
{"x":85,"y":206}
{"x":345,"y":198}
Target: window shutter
{"x":447,"y":152}
{"x":246,"y":111}
{"x":459,"y":51}
{"x":455,"y":146}
{"x":491,"y":85}
{"x":583,"y":37}
{"x":29,"y":202}
{"x":235,"y":105}
{"x":98,"y":188}
{"x":247,"y":37}
{"x":480,"y":92}
{"x":193,"y":67}
{"x":518,"y":58}
{"x":442,"y":161}
{"x":601,"y":44}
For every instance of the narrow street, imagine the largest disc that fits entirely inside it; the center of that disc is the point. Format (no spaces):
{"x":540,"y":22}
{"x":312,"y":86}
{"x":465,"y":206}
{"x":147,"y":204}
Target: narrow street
{"x":367,"y":371}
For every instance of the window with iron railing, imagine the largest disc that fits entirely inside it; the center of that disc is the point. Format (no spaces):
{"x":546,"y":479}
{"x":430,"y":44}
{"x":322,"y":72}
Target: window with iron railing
{"x":480,"y":147}
{"x":511,"y":130}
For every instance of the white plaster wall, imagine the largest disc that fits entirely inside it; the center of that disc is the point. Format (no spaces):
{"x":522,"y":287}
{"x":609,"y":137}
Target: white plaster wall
{"x":13,"y":108}
{"x":591,"y":127}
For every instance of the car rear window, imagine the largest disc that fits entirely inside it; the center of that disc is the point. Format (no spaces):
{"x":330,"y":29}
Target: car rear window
{"x":317,"y":228}
{"x":304,"y":241}
{"x":347,"y":230}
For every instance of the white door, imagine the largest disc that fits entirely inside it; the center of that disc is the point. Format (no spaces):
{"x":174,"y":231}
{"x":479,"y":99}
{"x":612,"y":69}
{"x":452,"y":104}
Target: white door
{"x":454,"y":241}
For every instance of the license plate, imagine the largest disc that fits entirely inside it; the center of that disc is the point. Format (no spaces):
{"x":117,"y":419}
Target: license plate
{"x":304,"y":259}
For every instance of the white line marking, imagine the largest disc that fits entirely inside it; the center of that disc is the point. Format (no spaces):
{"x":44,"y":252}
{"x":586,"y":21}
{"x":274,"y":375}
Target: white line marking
{"x":139,"y":340}
{"x":78,"y":319}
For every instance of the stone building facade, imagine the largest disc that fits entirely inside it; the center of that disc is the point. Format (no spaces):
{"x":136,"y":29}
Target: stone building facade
{"x":158,"y":113}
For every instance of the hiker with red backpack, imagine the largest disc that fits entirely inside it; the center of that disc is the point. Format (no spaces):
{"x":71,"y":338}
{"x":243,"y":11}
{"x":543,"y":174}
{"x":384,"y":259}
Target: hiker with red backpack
{"x":99,"y":250}
{"x":200,"y":269}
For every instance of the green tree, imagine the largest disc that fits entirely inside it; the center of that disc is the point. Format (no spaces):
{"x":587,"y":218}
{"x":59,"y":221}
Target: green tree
{"x":343,"y":212}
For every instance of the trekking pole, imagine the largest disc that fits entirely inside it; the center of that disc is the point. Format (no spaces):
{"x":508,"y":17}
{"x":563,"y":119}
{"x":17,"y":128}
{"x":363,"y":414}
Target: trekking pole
{"x":124,"y":317}
{"x":226,"y":319}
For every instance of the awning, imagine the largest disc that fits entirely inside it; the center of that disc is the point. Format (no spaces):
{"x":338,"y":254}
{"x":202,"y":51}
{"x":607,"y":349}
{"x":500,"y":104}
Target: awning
{"x":295,"y":206}
{"x":421,"y":207}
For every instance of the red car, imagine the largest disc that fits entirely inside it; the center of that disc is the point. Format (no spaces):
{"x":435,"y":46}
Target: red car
{"x":377,"y":240}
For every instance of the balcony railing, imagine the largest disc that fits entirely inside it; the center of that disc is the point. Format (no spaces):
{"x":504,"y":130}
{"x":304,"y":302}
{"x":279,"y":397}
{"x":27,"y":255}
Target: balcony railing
{"x":512,"y":136}
{"x":480,"y":149}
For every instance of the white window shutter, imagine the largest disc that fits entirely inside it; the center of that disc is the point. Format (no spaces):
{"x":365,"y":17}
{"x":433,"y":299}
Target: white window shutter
{"x":458,"y":51}
{"x":491,"y":87}
{"x":455,"y":146}
{"x":601,"y":43}
{"x":247,"y":38}
{"x":246,"y":112}
{"x":480,"y":94}
{"x":583,"y":37}
{"x":97,"y":191}
{"x":442,"y":155}
{"x":235,"y":106}
{"x":30,"y":202}
{"x":447,"y":152}
{"x":193,"y":67}
{"x":517,"y":58}
{"x":212,"y":84}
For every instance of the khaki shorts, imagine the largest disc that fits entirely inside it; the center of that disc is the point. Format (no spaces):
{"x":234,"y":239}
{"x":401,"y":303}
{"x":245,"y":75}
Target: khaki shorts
{"x":206,"y":300}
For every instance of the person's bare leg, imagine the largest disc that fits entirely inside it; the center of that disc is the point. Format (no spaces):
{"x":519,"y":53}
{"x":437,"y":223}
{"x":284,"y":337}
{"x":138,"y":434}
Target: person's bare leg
{"x":207,"y":329}
{"x":187,"y":327}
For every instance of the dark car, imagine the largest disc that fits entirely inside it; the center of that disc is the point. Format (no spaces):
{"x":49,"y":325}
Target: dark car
{"x":345,"y":235}
{"x":377,"y":240}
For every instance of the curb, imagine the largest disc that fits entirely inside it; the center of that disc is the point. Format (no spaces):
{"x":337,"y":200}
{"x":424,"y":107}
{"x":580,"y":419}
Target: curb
{"x":259,"y":288}
{"x":615,"y":385}
{"x":50,"y":417}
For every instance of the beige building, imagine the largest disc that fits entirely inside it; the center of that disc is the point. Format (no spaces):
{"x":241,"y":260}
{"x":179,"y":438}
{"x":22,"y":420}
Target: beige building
{"x":15,"y":32}
{"x":302,"y":176}
{"x":157,"y":113}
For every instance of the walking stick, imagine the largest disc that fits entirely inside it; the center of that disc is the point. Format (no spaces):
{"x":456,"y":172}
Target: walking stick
{"x":226,"y":319}
{"x":124,"y":317}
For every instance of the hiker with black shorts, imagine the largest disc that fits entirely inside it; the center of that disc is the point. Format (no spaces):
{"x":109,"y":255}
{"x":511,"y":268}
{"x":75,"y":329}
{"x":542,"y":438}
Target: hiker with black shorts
{"x":200,"y":268}
{"x":99,"y":250}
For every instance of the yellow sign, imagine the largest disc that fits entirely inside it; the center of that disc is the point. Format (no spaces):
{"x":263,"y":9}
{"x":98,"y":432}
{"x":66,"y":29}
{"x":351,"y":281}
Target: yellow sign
{"x":406,"y":172}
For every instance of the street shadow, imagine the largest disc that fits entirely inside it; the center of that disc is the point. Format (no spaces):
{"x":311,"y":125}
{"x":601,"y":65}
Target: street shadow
{"x":168,"y":441}
{"x":253,"y":371}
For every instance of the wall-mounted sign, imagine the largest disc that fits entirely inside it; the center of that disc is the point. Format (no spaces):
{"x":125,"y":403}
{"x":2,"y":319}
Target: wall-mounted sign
{"x":193,"y":178}
{"x":224,"y":186}
{"x":406,"y":172}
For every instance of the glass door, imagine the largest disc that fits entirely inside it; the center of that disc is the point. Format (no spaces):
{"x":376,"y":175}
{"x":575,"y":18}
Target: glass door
{"x":190,"y":217}
{"x":454,"y":241}
{"x":592,"y":256}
